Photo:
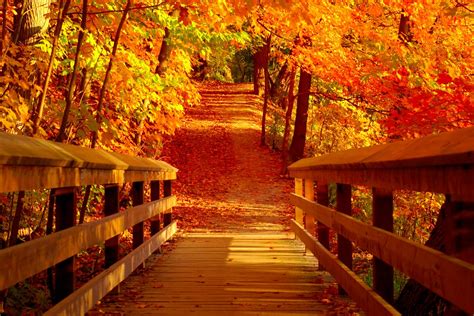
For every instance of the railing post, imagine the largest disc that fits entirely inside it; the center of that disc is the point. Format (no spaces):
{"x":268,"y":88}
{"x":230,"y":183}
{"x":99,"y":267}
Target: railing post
{"x":322,"y":195}
{"x":299,"y":191}
{"x":111,"y":206}
{"x":167,"y":191}
{"x":344,"y":245}
{"x":155,"y":195}
{"x":382,"y":216}
{"x":137,"y":199}
{"x":309,"y":194}
{"x":65,"y":218}
{"x":460,"y":228}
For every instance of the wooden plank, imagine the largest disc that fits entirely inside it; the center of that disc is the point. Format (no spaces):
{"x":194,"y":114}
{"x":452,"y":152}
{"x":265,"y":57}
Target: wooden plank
{"x":37,"y":255}
{"x":155,"y":222}
{"x":309,"y":194}
{"x":87,"y":296}
{"x":455,"y":180}
{"x":344,"y":245}
{"x":450,"y":148}
{"x":445,"y":275}
{"x":16,"y":178}
{"x":382,"y":217}
{"x":368,"y":299}
{"x":137,"y":199}
{"x":167,"y":191}
{"x":66,"y":201}
{"x":299,"y":215}
{"x":111,"y":207}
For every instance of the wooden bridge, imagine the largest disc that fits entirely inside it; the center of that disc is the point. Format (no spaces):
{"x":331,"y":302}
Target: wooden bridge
{"x":244,"y":273}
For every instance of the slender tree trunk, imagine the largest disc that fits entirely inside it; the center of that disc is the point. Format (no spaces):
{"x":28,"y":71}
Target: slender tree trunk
{"x":16,"y":219}
{"x":266,"y":92}
{"x":164,"y":53}
{"x":95,"y":134}
{"x":4,"y":26}
{"x":404,"y":29}
{"x":277,"y":85}
{"x":38,"y":114}
{"x":72,"y":81}
{"x":290,"y":100}
{"x":298,"y":141}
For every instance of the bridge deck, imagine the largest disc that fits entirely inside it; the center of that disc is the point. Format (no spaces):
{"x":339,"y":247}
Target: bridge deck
{"x":233,"y":273}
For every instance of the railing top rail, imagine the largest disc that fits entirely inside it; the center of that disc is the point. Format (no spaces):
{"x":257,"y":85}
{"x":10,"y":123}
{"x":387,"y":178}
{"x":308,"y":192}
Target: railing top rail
{"x":450,"y":148}
{"x":48,"y":164}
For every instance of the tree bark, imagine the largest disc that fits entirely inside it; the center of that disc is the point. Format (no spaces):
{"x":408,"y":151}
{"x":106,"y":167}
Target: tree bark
{"x":290,"y":100}
{"x":95,"y":134}
{"x":266,"y":92}
{"x":31,"y":22}
{"x":16,"y":219}
{"x":165,"y":51}
{"x":72,"y":81}
{"x":298,"y":141}
{"x":38,"y":113}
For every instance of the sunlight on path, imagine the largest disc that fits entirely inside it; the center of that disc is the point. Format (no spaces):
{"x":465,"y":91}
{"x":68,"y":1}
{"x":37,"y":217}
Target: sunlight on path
{"x":227,"y":182}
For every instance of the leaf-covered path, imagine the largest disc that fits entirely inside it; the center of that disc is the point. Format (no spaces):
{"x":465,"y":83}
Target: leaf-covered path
{"x":235,"y":256}
{"x":226,"y":181}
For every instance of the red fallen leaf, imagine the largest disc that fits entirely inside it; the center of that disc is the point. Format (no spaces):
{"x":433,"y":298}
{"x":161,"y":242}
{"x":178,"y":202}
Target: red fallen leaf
{"x":444,"y":78}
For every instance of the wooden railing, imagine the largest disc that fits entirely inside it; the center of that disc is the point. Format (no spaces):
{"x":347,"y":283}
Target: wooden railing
{"x":444,"y":164}
{"x":27,"y":164}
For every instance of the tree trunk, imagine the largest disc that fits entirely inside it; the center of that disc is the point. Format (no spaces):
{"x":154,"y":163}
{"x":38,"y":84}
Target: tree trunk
{"x":72,"y":81}
{"x":95,"y":134}
{"x":38,"y":113}
{"x":290,"y":100}
{"x":404,"y":29}
{"x":165,"y":51}
{"x":276,"y":89}
{"x":31,"y":22}
{"x":298,"y":141}
{"x":16,"y":219}
{"x":266,"y":92}
{"x":415,"y":299}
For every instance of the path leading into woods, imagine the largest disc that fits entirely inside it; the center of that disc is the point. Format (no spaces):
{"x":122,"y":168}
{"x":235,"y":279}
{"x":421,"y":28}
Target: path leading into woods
{"x":235,"y":254}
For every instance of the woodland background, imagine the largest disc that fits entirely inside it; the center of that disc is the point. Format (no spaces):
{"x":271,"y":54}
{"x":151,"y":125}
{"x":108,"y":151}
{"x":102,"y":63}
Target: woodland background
{"x":333,"y":75}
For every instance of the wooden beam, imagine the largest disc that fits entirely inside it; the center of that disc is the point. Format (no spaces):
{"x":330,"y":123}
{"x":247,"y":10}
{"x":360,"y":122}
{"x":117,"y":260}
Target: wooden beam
{"x":155,"y":223}
{"x":322,"y":196}
{"x":111,"y":207}
{"x":47,"y":177}
{"x":167,"y":191}
{"x":362,"y":294}
{"x":37,"y":255}
{"x":65,"y":218}
{"x":310,"y":225}
{"x":445,"y":275}
{"x":452,"y":179}
{"x":137,"y":199}
{"x":89,"y":294}
{"x":382,"y":215}
{"x":299,"y":215}
{"x":344,"y":206}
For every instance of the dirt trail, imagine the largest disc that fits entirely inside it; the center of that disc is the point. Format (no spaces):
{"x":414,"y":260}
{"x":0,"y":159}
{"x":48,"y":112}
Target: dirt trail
{"x":227,"y":182}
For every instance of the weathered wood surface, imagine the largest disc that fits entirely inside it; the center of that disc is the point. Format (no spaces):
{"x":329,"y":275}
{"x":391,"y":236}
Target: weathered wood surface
{"x":46,"y":164}
{"x":37,"y":255}
{"x":441,"y":163}
{"x":445,"y":275}
{"x":215,"y":274}
{"x":83,"y":299}
{"x":367,"y":298}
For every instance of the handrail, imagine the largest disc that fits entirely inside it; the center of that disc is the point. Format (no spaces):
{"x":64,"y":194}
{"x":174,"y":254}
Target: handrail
{"x":28,"y":163}
{"x":46,"y":164}
{"x":441,"y":163}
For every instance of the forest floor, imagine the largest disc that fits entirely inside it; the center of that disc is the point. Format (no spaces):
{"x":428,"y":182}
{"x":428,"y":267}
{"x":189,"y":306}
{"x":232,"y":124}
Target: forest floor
{"x":226,"y":180}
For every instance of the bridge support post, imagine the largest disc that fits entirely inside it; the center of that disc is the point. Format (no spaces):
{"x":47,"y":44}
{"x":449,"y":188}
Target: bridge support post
{"x":155,"y":222}
{"x":309,"y":194}
{"x":65,"y":218}
{"x":137,"y":199}
{"x":111,"y":206}
{"x":382,"y":217}
{"x":167,"y":191}
{"x":299,"y":216}
{"x":322,"y":196}
{"x":344,"y":245}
